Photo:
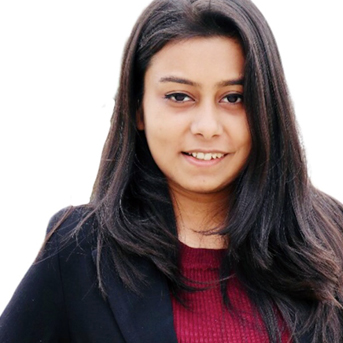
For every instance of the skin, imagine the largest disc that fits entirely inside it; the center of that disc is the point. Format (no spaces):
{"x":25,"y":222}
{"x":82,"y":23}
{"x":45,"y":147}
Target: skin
{"x":193,"y":103}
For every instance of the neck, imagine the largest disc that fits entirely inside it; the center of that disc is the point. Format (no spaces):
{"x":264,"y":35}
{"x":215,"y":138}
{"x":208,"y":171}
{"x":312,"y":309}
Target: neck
{"x":198,"y":217}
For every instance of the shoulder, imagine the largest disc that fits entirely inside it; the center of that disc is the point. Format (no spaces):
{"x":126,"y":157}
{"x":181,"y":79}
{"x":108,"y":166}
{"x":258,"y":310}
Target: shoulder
{"x":59,"y":295}
{"x":68,"y":229}
{"x":71,"y":217}
{"x":70,"y":251}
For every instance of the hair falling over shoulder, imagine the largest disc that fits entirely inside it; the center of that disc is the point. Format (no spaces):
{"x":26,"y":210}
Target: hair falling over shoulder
{"x":286,"y":237}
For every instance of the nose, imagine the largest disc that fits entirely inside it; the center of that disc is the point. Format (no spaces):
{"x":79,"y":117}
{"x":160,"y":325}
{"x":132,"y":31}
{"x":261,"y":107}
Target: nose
{"x":206,"y":121}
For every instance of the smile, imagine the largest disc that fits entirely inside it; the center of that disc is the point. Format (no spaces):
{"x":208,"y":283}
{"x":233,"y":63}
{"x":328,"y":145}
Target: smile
{"x":205,"y":156}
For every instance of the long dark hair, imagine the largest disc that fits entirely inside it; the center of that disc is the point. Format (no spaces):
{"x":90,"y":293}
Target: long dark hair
{"x":286,"y":244}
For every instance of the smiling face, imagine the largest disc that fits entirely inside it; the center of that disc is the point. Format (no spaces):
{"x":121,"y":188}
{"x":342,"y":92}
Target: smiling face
{"x":193,"y":114}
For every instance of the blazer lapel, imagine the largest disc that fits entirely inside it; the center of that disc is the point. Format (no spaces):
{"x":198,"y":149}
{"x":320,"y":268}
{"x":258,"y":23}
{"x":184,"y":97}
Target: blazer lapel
{"x":145,"y":318}
{"x":305,"y":339}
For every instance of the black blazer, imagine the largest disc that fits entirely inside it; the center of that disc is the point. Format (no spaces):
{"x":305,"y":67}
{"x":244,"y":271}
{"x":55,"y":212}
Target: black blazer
{"x":59,"y":300}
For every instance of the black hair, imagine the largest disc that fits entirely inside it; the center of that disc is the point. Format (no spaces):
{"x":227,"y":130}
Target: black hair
{"x":285,"y":236}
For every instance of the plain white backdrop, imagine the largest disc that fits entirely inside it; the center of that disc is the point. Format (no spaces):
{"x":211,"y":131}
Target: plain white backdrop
{"x":59,"y":65}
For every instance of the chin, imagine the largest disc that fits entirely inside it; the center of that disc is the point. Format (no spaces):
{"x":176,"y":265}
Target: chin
{"x":208,"y":189}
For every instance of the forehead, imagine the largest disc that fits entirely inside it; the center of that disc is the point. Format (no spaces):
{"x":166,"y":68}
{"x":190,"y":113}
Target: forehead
{"x":200,"y":58}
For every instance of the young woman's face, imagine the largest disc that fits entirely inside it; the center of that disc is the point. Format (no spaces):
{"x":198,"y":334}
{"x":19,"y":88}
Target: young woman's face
{"x":193,"y":113}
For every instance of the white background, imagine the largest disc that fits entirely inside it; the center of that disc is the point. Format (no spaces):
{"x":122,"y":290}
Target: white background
{"x":59,"y":65}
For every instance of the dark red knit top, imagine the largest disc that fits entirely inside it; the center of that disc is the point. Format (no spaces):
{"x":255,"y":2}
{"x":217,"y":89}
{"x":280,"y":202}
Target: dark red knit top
{"x":207,"y":320}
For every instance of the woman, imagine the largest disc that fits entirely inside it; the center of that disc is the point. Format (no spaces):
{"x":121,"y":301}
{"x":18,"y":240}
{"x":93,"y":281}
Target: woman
{"x":203,"y":225}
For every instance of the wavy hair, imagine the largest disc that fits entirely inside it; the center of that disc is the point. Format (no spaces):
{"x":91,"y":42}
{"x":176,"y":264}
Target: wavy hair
{"x":286,"y":242}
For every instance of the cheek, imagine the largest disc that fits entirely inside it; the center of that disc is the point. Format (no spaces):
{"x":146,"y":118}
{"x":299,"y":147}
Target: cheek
{"x":246,"y":139}
{"x":240,"y":133}
{"x":158,"y":137}
{"x":155,"y":131}
{"x":246,"y":146}
{"x":161,"y":127}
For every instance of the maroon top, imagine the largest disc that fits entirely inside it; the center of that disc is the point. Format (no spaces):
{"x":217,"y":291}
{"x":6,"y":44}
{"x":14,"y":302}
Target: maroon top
{"x":207,"y":320}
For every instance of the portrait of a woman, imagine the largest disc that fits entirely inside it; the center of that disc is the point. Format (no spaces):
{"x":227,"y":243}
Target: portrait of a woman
{"x":203,"y":224}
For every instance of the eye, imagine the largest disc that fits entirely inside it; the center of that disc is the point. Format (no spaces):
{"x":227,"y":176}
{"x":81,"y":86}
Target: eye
{"x":178,"y":97}
{"x":233,"y":98}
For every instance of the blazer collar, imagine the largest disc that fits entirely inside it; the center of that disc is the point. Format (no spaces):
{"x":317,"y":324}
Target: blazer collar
{"x":148,"y":317}
{"x":144,"y":318}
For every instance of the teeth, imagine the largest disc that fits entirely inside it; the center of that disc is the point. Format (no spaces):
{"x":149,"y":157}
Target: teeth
{"x":206,"y":156}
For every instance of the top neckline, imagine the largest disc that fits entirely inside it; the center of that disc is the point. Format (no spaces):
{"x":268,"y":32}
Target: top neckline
{"x":200,"y":257}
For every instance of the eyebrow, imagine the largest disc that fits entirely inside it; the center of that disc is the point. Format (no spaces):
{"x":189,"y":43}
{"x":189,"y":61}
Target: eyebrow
{"x":183,"y":81}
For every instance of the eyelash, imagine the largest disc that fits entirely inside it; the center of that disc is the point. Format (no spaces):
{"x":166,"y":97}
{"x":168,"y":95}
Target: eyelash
{"x":172,"y":96}
{"x":237,"y":96}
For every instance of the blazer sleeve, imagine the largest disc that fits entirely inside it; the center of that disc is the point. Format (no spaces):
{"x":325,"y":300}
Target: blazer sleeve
{"x":36,"y":311}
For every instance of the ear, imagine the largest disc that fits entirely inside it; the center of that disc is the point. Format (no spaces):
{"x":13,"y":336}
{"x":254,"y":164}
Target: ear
{"x":140,"y":118}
